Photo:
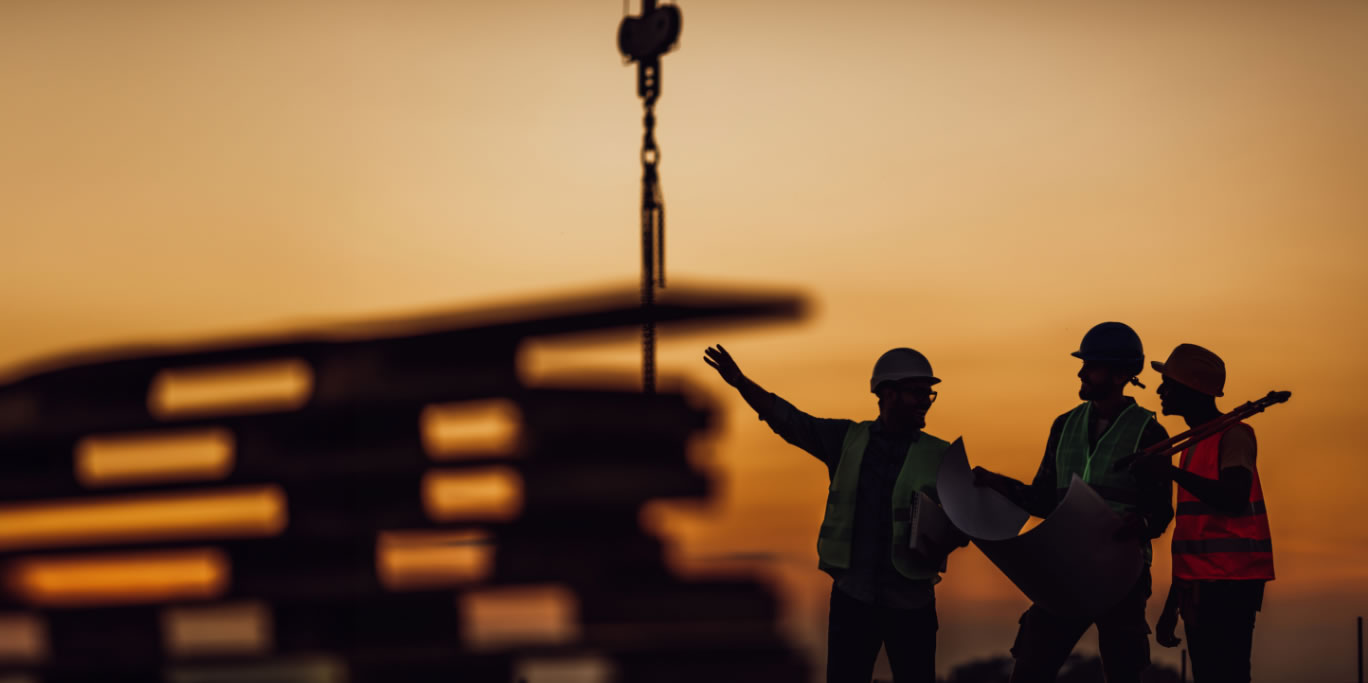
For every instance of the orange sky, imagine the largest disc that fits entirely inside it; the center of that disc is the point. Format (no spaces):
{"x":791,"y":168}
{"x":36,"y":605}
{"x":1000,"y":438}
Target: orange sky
{"x":979,"y":182}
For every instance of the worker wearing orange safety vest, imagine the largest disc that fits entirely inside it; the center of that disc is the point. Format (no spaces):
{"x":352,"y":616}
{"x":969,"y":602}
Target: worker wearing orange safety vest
{"x":1222,"y":549}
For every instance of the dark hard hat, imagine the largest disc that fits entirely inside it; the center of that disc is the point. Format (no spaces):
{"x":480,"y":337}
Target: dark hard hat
{"x":1111,"y":342}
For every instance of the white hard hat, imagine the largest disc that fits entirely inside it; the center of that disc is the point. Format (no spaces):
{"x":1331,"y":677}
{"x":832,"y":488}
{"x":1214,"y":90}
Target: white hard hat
{"x":901,"y":363}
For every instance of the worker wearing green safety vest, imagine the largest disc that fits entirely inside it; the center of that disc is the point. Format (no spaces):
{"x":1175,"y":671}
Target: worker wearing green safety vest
{"x":882,"y":593}
{"x":1087,"y":441}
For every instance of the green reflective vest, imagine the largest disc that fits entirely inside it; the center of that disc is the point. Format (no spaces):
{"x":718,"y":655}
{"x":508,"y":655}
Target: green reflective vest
{"x":918,"y":473}
{"x":1093,"y":464}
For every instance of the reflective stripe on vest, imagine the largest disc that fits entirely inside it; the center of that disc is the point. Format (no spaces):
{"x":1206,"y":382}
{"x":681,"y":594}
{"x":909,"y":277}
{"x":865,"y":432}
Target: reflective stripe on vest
{"x":1223,"y":545}
{"x":918,"y":473}
{"x":1075,"y":454}
{"x":1212,"y":545}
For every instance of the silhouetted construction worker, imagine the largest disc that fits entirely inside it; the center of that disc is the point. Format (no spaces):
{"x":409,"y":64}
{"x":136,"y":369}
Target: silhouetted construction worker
{"x":883,"y":591}
{"x":1222,"y":552}
{"x":1087,"y":441}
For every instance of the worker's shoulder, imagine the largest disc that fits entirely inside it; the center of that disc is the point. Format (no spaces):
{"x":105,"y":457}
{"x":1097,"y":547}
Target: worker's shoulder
{"x":1240,"y":435}
{"x":1155,"y":431}
{"x":1064,"y":417}
{"x":933,"y":440}
{"x":1151,"y":418}
{"x":1238,"y":447}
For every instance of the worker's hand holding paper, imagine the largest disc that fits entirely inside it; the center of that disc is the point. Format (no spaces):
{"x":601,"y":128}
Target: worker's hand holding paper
{"x":1071,"y":564}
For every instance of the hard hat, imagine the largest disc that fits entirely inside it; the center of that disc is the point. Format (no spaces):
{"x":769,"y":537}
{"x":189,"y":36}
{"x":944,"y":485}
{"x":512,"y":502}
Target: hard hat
{"x":1111,"y":342}
{"x":901,"y":363}
{"x":1196,"y":367}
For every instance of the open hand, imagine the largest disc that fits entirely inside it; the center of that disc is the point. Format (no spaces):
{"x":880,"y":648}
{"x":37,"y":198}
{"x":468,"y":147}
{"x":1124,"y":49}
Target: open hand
{"x":721,"y":361}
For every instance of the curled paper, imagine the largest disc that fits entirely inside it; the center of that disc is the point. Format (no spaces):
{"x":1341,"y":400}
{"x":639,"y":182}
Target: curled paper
{"x":1070,"y":564}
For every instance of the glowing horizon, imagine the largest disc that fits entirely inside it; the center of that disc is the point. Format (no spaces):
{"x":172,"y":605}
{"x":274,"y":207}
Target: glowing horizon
{"x":981,"y":183}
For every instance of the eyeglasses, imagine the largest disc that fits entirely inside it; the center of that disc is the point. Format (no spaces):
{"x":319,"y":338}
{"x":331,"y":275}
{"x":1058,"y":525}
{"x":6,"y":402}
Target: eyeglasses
{"x":908,"y":394}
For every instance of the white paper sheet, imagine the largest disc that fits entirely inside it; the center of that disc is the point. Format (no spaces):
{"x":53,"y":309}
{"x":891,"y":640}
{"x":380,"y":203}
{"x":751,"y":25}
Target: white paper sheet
{"x":980,"y":512}
{"x":1070,"y":564}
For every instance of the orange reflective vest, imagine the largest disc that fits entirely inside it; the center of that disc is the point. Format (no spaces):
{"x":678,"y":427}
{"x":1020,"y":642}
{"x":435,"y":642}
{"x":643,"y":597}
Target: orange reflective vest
{"x":1210,"y":545}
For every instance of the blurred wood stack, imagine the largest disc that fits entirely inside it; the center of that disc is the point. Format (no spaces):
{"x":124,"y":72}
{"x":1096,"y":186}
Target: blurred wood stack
{"x":385,"y":502}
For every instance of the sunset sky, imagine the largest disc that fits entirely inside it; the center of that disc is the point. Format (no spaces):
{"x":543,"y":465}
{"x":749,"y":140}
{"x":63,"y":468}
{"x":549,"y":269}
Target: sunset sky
{"x":979,"y":181}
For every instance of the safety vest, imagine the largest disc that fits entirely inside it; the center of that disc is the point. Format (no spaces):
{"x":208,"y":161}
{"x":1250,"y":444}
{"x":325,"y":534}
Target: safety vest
{"x":1208,"y":544}
{"x":918,"y":473}
{"x":1093,"y":464}
{"x":1075,"y":455}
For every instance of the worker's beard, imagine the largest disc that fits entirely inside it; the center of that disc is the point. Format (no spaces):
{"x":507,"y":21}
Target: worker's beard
{"x":901,"y":418}
{"x":1096,"y":392}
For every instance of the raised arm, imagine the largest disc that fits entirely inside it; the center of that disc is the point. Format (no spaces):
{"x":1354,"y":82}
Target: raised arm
{"x":820,"y":437}
{"x":760,"y":400}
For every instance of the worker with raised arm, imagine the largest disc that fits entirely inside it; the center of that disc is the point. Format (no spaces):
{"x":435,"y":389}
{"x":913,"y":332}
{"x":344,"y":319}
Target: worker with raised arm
{"x":883,"y":591}
{"x":1222,"y":549}
{"x":1087,"y":441}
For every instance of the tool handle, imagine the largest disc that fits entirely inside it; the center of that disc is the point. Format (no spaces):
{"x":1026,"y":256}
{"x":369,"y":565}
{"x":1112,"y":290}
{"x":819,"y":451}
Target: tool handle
{"x":1181,"y":441}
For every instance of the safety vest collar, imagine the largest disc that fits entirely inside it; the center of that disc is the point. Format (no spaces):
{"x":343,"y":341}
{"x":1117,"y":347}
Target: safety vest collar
{"x":1076,"y":454}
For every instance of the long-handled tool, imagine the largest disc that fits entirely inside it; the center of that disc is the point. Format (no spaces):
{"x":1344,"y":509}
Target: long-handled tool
{"x":1179,"y":442}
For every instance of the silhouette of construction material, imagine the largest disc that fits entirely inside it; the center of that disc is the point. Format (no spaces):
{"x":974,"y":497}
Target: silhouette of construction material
{"x":346,"y":463}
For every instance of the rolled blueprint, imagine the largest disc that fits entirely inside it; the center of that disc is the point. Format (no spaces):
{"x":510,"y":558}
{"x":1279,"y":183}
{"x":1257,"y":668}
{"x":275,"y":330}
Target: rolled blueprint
{"x":1070,"y":564}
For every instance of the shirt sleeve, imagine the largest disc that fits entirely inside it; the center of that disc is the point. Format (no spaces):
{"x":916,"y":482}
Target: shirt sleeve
{"x":1041,"y":497}
{"x":821,"y":437}
{"x":1156,"y":495}
{"x":1238,"y":448}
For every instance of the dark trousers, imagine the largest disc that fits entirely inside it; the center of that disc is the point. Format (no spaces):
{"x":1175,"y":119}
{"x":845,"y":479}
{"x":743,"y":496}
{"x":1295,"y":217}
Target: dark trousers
{"x":856,"y":630}
{"x":1219,"y":624}
{"x":1044,"y":641}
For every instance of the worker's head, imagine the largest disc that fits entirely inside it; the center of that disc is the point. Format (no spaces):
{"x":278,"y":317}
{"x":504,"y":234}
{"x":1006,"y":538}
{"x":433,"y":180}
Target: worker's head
{"x":1193,"y":378}
{"x":1112,"y":357}
{"x":902,"y":380}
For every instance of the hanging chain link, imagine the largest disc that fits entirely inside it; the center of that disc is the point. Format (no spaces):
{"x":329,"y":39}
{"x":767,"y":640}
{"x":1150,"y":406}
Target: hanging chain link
{"x":643,"y":40}
{"x":652,"y":222}
{"x":652,"y":197}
